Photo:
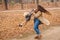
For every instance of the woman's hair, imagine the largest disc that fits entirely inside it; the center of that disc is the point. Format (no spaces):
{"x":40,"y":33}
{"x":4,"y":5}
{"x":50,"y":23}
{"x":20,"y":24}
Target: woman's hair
{"x":41,"y":9}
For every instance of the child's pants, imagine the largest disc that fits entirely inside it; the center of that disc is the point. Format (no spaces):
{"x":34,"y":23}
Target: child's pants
{"x":36,"y":24}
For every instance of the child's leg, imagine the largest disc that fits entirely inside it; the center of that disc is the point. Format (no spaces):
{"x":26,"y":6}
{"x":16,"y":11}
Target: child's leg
{"x":27,"y":18}
{"x":24,"y":23}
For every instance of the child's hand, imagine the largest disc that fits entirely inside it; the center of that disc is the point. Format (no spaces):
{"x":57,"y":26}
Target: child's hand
{"x":20,"y":25}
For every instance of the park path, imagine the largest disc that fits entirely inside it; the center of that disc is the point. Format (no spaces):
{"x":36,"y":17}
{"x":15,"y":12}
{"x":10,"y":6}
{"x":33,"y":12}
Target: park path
{"x":51,"y":34}
{"x":30,"y":9}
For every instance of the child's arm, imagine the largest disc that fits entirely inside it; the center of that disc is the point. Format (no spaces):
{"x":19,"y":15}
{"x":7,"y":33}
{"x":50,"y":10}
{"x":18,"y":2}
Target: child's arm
{"x":23,"y":23}
{"x":27,"y":18}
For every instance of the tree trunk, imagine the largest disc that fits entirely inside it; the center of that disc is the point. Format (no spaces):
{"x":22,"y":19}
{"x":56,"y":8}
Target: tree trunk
{"x":37,"y":3}
{"x":21,"y":4}
{"x":6,"y":7}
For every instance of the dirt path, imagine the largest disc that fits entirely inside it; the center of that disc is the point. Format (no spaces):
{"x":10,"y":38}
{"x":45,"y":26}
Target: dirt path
{"x":29,"y":9}
{"x":50,"y":34}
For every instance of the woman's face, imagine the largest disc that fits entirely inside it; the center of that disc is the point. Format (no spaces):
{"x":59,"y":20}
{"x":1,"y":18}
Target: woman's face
{"x":36,"y":10}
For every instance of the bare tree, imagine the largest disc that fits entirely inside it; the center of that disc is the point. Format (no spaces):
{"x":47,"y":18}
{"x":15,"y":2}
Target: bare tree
{"x":37,"y":2}
{"x":21,"y":1}
{"x":55,"y":2}
{"x":52,"y":0}
{"x":6,"y":6}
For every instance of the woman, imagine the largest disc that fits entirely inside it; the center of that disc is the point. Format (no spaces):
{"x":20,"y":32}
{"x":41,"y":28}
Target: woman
{"x":37,"y":21}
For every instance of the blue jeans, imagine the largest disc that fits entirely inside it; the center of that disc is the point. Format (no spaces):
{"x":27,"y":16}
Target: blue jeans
{"x":37,"y":22}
